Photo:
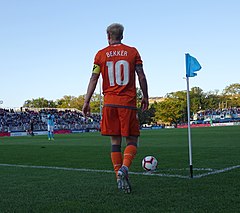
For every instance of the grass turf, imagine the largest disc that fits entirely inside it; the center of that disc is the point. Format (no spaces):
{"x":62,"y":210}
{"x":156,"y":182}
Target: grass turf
{"x":49,"y":190}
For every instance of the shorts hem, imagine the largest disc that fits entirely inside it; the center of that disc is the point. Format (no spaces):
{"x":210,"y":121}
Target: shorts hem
{"x":119,"y":135}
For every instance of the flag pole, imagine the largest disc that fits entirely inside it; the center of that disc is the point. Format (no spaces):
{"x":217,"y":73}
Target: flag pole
{"x":192,"y":66}
{"x":189,"y":130}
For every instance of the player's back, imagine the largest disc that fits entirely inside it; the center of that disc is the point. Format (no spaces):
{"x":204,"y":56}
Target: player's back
{"x":117,"y":63}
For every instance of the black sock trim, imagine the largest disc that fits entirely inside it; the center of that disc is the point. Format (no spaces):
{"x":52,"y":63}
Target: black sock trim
{"x":132,"y":143}
{"x":116,"y":148}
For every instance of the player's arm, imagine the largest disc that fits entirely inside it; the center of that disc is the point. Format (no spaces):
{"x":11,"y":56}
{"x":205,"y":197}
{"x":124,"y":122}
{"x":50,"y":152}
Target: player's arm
{"x":91,"y":88}
{"x":143,"y":85}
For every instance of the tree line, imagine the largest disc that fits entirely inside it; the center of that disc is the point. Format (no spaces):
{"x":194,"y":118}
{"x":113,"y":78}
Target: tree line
{"x":172,"y":109}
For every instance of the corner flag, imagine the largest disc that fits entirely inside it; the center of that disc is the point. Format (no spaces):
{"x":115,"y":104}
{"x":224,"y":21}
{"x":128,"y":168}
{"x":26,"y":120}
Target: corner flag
{"x":192,"y":66}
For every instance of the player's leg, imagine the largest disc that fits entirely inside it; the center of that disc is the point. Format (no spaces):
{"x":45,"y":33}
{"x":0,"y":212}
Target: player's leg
{"x":32,"y":134}
{"x":116,"y":157}
{"x":52,"y":132}
{"x":130,"y":150}
{"x":110,"y":126}
{"x":129,"y":154}
{"x":129,"y":129}
{"x":116,"y":154}
{"x":49,"y":133}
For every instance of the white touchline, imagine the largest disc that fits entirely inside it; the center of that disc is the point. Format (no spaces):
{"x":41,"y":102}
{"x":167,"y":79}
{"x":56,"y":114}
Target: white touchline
{"x":134,"y":173}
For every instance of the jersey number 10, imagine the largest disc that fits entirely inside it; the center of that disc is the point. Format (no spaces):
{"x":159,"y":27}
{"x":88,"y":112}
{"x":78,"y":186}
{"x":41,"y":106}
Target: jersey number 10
{"x":116,"y":69}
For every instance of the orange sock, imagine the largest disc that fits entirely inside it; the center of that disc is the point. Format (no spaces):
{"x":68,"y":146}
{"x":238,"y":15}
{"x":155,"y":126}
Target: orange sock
{"x":129,"y":154}
{"x":116,"y":160}
{"x":116,"y":157}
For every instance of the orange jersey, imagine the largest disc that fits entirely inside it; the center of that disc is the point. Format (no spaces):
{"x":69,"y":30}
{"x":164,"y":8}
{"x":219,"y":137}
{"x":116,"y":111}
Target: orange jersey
{"x":117,"y":66}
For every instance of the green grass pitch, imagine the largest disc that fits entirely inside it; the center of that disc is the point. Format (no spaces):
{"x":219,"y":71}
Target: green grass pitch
{"x":74,"y":173}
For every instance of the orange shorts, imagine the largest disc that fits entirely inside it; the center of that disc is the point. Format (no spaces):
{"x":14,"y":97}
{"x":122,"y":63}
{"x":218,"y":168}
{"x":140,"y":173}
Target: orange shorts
{"x":119,"y":121}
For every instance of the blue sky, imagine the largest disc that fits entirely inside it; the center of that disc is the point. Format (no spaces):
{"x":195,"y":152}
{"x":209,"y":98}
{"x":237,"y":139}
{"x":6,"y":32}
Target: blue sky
{"x":47,"y":47}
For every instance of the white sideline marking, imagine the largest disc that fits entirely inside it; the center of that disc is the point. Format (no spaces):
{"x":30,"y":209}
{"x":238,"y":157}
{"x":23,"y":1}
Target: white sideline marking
{"x":134,"y":173}
{"x":56,"y":168}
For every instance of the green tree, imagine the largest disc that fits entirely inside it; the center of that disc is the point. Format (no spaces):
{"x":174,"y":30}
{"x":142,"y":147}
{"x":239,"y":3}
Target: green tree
{"x":212,"y":100}
{"x":39,"y":103}
{"x":196,"y":99}
{"x":180,"y":98}
{"x":65,"y":102}
{"x":231,"y":96}
{"x":232,"y":89}
{"x":169,"y":111}
{"x":95,"y":103}
{"x":234,"y":102}
{"x":52,"y":104}
{"x":147,"y":116}
{"x":172,"y":110}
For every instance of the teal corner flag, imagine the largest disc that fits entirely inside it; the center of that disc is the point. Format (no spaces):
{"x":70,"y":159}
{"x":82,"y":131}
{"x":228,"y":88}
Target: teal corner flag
{"x":192,"y":66}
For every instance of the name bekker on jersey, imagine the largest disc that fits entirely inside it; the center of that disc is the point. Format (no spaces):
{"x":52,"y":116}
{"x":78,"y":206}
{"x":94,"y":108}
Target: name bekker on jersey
{"x":117,"y":63}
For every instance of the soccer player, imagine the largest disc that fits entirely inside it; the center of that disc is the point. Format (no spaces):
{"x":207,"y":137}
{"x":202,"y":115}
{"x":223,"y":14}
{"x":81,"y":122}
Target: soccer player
{"x":31,"y":127}
{"x":118,"y":65}
{"x":50,"y":122}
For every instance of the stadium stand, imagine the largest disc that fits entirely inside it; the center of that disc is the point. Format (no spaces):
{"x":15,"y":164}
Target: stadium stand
{"x":71,"y":119}
{"x":217,"y":115}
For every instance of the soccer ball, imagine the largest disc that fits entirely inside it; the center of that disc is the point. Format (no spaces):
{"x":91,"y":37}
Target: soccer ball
{"x":149,"y":163}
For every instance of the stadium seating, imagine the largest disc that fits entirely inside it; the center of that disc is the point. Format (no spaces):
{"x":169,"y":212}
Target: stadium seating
{"x":11,"y":120}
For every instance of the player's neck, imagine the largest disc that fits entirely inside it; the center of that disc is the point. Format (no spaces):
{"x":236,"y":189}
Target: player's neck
{"x":113,"y":42}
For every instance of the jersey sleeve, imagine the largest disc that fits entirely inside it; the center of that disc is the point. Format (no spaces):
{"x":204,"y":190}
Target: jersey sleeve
{"x":97,"y":62}
{"x":138,"y":57}
{"x":97,"y":59}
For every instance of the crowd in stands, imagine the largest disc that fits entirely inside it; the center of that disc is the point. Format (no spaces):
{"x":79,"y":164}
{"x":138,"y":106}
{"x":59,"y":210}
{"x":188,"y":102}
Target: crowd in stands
{"x":218,"y":114}
{"x":20,"y":120}
{"x":11,"y":120}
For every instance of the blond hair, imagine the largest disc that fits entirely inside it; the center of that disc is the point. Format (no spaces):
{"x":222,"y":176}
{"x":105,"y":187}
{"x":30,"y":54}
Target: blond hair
{"x":115,"y":31}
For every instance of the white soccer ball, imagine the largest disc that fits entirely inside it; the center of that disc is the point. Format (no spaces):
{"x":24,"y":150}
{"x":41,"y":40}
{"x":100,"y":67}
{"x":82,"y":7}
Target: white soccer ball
{"x":149,"y":163}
